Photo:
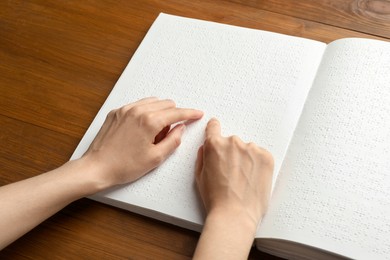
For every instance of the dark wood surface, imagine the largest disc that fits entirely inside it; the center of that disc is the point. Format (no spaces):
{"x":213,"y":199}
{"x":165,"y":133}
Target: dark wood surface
{"x":58,"y":62}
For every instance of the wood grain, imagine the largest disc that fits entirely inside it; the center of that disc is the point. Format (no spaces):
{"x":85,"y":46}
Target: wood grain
{"x":58,"y":62}
{"x":368,"y":16}
{"x":66,"y":53}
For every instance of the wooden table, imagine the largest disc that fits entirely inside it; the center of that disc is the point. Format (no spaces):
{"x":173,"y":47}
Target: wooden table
{"x":58,"y":62}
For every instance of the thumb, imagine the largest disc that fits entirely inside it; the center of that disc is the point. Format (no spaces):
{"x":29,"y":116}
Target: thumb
{"x":173,"y":139}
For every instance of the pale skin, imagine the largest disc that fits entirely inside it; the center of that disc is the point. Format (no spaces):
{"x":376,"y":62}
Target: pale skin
{"x":233,"y":178}
{"x":234,"y":181}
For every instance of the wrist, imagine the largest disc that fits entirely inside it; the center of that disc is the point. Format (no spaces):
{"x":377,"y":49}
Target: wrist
{"x":237,"y":218}
{"x":223,"y":231}
{"x":89,"y":174}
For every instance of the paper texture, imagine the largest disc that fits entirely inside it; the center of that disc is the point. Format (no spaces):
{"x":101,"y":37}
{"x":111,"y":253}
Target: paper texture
{"x":333,"y":190}
{"x":254,"y":82}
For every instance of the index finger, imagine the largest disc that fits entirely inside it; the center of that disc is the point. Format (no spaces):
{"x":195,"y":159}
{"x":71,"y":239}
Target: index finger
{"x":176,"y":115}
{"x":213,"y":128}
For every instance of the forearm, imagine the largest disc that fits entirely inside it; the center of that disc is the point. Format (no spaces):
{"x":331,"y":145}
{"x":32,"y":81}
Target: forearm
{"x":225,"y":236}
{"x":27,"y":203}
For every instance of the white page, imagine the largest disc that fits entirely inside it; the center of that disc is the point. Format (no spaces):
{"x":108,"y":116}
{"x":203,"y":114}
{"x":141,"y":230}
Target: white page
{"x":254,"y":82}
{"x":333,"y":190}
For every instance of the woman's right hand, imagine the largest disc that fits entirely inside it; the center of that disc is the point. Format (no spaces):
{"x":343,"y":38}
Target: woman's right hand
{"x":234,"y":180}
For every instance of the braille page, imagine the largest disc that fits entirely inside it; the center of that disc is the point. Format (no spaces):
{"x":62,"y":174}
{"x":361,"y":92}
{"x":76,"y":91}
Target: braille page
{"x":254,"y":82}
{"x":333,"y":191}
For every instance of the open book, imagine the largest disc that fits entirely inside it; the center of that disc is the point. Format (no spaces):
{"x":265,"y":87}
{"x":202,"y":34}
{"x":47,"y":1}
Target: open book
{"x":323,"y":111}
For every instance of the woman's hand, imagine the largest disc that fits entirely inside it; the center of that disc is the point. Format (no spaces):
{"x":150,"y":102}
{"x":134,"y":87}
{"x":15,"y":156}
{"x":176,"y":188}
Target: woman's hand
{"x":136,"y":138}
{"x":133,"y":140}
{"x":234,"y":180}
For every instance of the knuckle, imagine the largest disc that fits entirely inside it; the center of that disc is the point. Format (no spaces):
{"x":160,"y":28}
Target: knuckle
{"x":151,"y":121}
{"x":236,"y":143}
{"x":145,"y":118}
{"x":112,"y":113}
{"x":212,"y":143}
{"x":148,"y":119}
{"x":254,"y":149}
{"x":135,"y":111}
{"x":170,"y":102}
{"x":234,"y":139}
{"x":252,"y":146}
{"x":266,"y":158}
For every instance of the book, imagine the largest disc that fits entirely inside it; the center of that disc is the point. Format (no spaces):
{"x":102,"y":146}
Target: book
{"x":322,"y":110}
